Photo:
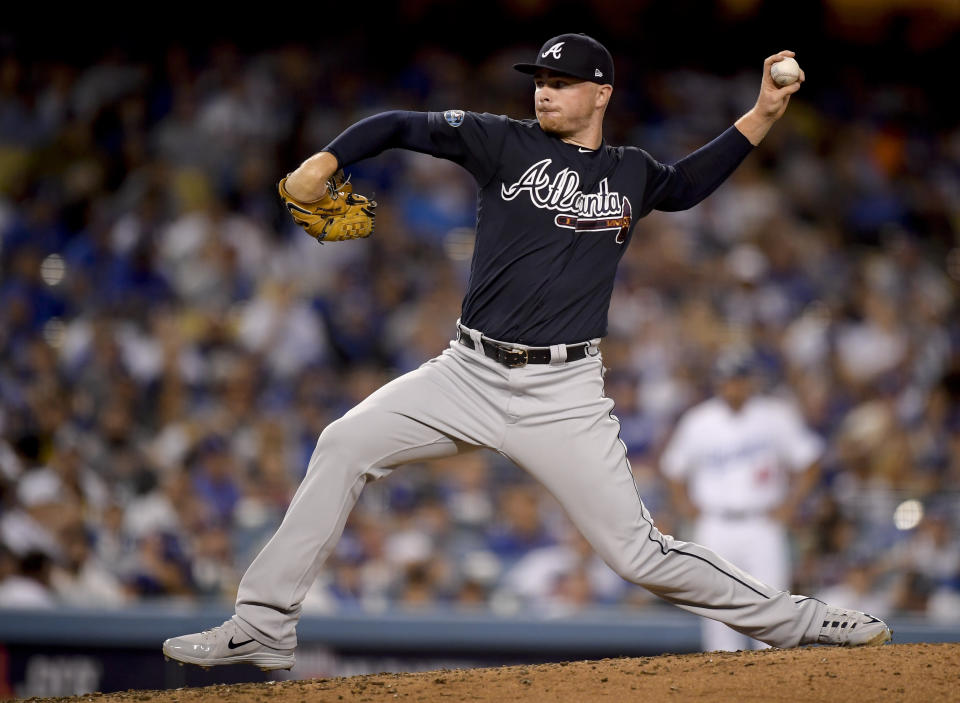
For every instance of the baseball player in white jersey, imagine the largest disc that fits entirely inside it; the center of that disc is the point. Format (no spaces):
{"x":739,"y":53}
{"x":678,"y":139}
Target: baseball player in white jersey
{"x":557,"y":207}
{"x":740,"y":463}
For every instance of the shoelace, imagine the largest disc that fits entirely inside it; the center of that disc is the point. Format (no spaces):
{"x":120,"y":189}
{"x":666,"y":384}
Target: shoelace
{"x":211,"y":631}
{"x":839,"y":623}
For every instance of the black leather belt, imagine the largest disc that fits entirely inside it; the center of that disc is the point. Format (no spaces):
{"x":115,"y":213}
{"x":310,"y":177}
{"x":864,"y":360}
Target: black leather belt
{"x":514,"y":358}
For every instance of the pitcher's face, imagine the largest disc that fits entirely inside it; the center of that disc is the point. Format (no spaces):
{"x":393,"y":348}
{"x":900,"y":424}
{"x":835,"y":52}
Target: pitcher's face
{"x":565,"y":105}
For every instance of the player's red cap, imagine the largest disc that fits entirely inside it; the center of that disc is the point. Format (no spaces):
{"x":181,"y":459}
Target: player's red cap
{"x":575,"y":55}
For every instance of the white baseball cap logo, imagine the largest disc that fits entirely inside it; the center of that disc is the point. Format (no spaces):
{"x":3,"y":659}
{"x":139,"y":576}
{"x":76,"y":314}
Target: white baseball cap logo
{"x":553,"y":50}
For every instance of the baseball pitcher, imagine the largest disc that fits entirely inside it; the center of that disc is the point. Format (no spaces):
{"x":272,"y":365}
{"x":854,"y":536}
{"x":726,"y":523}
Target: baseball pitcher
{"x":557,"y":207}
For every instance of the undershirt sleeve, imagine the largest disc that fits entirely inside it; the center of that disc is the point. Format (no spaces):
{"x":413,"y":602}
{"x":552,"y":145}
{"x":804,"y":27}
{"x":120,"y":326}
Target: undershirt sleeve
{"x":691,"y":179}
{"x":375,"y":134}
{"x":472,"y":140}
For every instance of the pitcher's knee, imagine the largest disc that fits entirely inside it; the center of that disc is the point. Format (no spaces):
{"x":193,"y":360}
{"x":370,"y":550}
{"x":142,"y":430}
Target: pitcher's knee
{"x":641,"y":561}
{"x":627,"y":564}
{"x":341,"y":442}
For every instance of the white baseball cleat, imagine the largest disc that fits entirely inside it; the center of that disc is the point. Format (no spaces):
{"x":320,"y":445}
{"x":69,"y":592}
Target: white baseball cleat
{"x":851,"y":628}
{"x":226,"y":644}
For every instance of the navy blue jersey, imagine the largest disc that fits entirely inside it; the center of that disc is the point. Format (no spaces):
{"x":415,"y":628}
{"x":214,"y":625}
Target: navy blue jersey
{"x":553,"y":219}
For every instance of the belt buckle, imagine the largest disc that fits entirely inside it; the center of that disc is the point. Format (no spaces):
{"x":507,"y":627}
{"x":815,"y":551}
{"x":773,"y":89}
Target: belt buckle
{"x":514,"y":358}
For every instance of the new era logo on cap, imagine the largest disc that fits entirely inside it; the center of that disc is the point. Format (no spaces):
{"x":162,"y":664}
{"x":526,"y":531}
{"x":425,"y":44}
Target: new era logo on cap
{"x":574,"y":55}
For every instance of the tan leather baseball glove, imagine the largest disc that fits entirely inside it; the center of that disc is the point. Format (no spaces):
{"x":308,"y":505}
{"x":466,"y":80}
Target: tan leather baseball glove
{"x":340,"y":214}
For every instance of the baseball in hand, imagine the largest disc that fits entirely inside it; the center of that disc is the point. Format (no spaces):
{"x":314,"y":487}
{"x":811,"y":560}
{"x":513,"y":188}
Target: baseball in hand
{"x":785,"y":71}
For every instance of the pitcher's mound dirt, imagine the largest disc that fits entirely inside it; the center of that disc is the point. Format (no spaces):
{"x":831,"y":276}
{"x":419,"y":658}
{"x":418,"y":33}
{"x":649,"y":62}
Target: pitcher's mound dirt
{"x":909,"y":672}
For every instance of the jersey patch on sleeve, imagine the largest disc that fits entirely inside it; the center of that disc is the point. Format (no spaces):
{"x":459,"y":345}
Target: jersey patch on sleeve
{"x":453,"y":117}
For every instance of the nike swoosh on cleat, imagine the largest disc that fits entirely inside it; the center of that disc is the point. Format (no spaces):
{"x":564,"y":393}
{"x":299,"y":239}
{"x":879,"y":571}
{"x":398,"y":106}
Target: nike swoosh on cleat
{"x":233,"y":645}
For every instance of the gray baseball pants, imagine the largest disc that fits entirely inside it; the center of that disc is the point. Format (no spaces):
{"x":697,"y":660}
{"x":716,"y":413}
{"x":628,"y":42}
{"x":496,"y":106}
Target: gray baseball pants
{"x":551,"y":420}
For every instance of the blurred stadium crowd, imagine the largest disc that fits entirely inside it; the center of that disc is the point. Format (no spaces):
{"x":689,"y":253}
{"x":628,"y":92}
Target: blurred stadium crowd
{"x":171,"y":345}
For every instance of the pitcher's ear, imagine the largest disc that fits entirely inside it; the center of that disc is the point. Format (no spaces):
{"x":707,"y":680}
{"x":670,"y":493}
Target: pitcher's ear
{"x":603,"y":95}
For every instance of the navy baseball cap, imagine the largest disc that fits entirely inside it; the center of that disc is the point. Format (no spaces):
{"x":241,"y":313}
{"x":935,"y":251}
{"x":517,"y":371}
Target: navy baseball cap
{"x":574,"y":55}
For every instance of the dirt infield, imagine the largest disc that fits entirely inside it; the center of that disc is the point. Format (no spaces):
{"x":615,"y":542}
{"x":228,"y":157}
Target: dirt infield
{"x":909,"y":672}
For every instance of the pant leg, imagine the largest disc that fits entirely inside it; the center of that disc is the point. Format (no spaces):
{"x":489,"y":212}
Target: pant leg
{"x":723,"y":538}
{"x":766,"y":551}
{"x":766,"y":555}
{"x":567,"y":439}
{"x":759,"y":546}
{"x":447,"y":404}
{"x":717,"y":637}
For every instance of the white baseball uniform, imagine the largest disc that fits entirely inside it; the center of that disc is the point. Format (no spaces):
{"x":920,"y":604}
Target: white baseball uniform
{"x":737,"y":466}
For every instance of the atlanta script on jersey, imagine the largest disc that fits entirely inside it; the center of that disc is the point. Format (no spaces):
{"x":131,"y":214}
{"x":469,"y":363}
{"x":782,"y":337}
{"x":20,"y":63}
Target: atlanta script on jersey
{"x":579,"y":211}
